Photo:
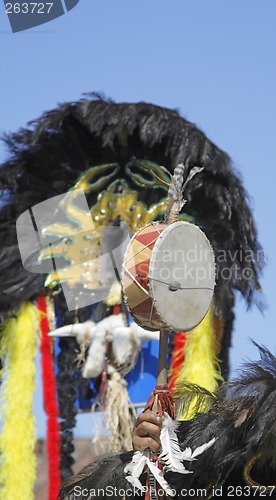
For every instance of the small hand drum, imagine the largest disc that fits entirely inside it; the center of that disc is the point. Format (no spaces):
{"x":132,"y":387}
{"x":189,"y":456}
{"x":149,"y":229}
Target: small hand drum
{"x":169,"y":276}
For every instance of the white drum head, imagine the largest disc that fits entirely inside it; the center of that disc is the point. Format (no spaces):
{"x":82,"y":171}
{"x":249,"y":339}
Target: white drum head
{"x":182,"y":275}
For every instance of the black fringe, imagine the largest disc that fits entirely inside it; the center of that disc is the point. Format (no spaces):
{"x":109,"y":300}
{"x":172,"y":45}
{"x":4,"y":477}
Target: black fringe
{"x":67,"y":388}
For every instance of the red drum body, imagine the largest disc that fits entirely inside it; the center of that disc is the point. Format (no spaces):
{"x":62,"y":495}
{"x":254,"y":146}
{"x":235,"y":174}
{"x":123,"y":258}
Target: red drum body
{"x":135,"y":278}
{"x":169,"y":276}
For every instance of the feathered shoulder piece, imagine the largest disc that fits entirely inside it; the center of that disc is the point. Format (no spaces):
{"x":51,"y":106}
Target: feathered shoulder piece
{"x":242,"y":418}
{"x":232,"y":445}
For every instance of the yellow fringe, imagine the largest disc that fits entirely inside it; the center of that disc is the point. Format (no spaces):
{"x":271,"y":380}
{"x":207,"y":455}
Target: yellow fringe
{"x":18,"y":437}
{"x":200,"y":365}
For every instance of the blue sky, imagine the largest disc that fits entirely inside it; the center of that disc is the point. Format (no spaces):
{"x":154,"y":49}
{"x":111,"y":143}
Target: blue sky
{"x":214,"y":60}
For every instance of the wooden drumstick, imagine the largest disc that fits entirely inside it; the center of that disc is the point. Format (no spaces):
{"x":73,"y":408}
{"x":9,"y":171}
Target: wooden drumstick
{"x":162,"y":358}
{"x":162,"y":377}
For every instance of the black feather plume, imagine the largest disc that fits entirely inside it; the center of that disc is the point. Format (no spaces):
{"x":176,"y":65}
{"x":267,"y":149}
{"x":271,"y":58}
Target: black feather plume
{"x":47,"y":158}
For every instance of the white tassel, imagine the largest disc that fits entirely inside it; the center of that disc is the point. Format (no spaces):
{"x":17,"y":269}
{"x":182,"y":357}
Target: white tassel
{"x":171,"y":455}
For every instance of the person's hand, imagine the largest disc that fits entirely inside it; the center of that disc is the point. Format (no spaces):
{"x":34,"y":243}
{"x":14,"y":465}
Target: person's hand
{"x":146,"y":433}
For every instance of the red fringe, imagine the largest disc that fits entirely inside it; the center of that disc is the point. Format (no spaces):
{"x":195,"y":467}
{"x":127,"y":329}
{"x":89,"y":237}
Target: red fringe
{"x":161,"y":399}
{"x":50,"y":403}
{"x":177,"y":359}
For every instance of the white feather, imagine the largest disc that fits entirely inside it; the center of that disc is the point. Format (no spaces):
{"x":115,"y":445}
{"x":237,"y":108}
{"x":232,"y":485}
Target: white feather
{"x":171,"y":456}
{"x":134,"y":481}
{"x":134,"y":469}
{"x":187,"y":454}
{"x":203,"y":447}
{"x":193,"y":171}
{"x":190,"y":455}
{"x":178,"y":184}
{"x":157,"y":473}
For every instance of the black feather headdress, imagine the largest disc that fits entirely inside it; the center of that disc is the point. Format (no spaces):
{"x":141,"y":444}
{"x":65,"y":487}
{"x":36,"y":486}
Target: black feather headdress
{"x":47,"y":158}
